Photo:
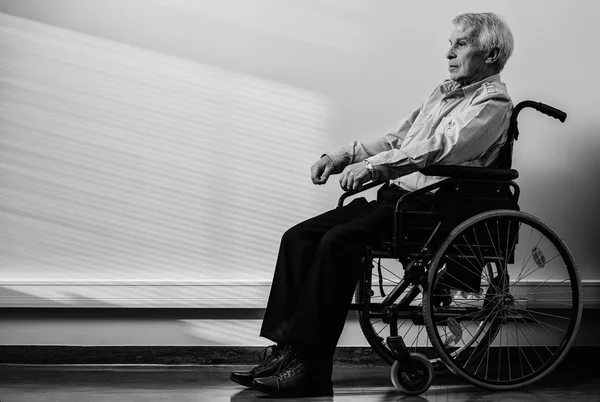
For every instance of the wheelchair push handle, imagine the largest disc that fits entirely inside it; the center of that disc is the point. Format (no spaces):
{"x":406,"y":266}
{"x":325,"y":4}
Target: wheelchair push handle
{"x":542,"y":108}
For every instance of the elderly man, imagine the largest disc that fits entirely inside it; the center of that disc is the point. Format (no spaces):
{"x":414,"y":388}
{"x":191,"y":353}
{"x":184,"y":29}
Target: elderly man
{"x":463,"y":122}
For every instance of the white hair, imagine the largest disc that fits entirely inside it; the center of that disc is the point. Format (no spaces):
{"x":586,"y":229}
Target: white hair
{"x":491,"y":32}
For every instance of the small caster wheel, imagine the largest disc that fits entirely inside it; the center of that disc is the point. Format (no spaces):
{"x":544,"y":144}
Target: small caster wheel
{"x":414,"y":376}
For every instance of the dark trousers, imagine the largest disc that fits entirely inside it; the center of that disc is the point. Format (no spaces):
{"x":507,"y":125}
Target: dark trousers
{"x":317,"y":270}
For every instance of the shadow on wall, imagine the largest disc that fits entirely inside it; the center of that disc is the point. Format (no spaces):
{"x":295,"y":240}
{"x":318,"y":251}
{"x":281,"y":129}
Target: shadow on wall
{"x":567,"y":198}
{"x":12,"y":298}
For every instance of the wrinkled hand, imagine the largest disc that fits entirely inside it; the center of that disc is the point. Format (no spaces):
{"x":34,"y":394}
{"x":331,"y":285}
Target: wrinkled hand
{"x":321,"y":170}
{"x":354,"y":176}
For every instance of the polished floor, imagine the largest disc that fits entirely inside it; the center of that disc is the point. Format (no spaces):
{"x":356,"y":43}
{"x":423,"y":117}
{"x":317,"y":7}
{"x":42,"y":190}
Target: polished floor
{"x":211,"y":383}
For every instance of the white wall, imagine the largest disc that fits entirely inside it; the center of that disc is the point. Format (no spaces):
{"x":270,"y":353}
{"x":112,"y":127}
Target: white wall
{"x":154,"y":147}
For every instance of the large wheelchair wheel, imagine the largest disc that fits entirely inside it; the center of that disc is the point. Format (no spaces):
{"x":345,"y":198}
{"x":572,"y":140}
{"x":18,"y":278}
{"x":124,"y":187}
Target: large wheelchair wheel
{"x":515,"y":300}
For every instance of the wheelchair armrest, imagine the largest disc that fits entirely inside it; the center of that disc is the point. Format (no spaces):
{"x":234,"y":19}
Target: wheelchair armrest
{"x":453,"y":172}
{"x":363,"y":188}
{"x":471,"y":173}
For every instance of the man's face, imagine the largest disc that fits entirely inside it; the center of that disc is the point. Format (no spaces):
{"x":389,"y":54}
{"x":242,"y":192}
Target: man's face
{"x":466,"y":62}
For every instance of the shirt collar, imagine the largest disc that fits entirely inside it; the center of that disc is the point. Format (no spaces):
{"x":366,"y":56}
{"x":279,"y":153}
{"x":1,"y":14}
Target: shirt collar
{"x":452,"y":89}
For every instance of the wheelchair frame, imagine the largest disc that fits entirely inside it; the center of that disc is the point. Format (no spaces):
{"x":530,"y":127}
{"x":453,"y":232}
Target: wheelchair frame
{"x":424,"y":265}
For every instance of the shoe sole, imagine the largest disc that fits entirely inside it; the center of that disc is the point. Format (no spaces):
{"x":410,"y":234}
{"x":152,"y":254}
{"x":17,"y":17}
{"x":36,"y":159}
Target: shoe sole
{"x":291,"y":394}
{"x":232,"y":378}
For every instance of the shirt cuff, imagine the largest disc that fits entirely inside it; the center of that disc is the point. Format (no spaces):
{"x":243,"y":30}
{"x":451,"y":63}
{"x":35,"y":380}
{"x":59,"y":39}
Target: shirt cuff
{"x":380,"y":167}
{"x":340,"y":158}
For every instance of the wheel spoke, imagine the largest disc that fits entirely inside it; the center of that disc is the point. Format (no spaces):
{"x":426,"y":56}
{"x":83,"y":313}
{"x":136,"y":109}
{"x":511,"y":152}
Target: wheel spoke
{"x":544,"y":314}
{"x":538,"y":337}
{"x":376,"y":329}
{"x":388,"y":270}
{"x":489,"y":336}
{"x":526,"y":262}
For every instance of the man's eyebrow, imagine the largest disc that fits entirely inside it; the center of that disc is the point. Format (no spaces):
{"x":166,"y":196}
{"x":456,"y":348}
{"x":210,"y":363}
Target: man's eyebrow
{"x":465,"y":38}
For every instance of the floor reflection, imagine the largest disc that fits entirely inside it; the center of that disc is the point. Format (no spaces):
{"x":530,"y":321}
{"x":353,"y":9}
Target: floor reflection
{"x":211,"y":383}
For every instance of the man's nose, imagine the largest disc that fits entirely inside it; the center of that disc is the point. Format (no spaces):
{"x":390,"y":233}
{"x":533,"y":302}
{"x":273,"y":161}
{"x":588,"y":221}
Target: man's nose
{"x":450,"y":53}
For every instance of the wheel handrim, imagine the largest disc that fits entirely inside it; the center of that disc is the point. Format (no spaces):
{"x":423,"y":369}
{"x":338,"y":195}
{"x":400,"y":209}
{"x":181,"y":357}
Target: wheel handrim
{"x":521,"y":300}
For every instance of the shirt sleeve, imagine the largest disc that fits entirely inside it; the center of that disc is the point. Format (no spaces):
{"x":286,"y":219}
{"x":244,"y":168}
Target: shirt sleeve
{"x":358,"y":151}
{"x":458,"y":138}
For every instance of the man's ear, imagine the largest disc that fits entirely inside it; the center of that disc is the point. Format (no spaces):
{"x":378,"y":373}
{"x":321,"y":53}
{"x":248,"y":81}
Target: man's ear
{"x":493,"y":56}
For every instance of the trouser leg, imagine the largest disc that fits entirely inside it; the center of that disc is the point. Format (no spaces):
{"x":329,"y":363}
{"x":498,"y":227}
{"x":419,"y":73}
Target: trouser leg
{"x":297,"y":252}
{"x":325,"y":298}
{"x":323,"y":304}
{"x":317,"y":269}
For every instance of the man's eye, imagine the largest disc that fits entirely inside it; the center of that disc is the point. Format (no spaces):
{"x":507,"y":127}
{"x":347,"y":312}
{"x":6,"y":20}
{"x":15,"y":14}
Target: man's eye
{"x":460,"y":44}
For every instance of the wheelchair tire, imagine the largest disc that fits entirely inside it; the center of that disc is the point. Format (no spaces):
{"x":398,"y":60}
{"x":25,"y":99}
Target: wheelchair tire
{"x":414,"y":376}
{"x":532,"y":305}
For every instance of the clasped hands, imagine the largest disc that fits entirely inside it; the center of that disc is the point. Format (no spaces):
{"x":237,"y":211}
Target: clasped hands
{"x":352,"y":178}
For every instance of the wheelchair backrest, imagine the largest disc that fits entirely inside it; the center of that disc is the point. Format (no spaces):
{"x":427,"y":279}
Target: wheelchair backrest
{"x":505,"y":157}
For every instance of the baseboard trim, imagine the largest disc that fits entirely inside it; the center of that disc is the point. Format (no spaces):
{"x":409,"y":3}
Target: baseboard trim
{"x":166,"y":355}
{"x":175,"y":295}
{"x":30,"y":313}
{"x":197,"y":355}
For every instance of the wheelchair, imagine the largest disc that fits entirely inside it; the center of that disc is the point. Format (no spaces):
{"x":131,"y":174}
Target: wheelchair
{"x":472,"y":285}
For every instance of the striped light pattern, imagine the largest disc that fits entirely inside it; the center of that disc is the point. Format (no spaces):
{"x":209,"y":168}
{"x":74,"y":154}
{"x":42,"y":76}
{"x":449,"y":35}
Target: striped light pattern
{"x":120,"y":165}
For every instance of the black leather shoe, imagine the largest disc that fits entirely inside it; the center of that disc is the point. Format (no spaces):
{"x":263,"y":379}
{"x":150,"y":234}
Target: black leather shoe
{"x":269,"y":366}
{"x":297,"y":379}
